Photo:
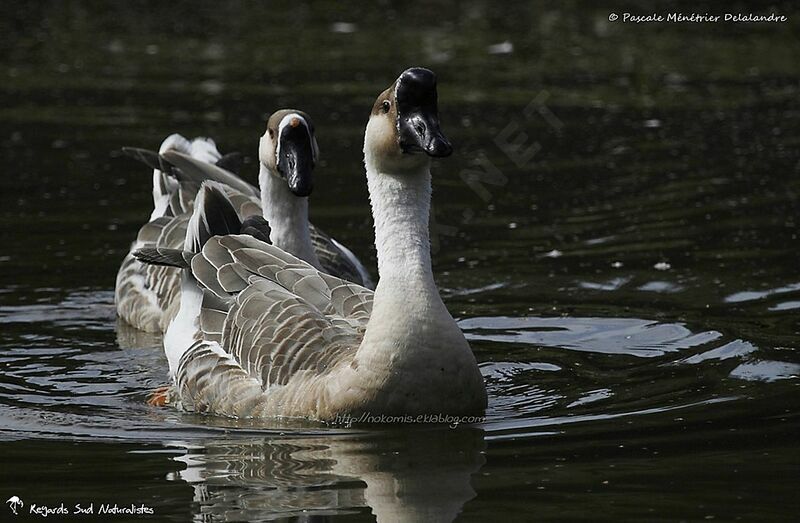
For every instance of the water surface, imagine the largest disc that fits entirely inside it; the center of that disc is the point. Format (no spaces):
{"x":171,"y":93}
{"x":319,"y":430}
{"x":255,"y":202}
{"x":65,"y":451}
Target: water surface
{"x":627,"y":274}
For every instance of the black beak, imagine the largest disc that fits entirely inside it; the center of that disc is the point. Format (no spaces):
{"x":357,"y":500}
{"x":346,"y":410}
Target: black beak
{"x":418,"y":114}
{"x":296,"y":158}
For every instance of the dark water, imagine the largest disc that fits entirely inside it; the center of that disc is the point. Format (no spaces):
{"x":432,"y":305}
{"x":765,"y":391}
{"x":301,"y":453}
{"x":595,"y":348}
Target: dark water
{"x":626,"y":270}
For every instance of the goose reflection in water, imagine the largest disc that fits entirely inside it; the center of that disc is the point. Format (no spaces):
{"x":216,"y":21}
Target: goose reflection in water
{"x":413,"y":474}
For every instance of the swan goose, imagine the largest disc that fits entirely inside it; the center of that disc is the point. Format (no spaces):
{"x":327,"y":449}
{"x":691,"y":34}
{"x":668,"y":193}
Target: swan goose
{"x":166,"y":186}
{"x":261,"y":333}
{"x":147,"y":297}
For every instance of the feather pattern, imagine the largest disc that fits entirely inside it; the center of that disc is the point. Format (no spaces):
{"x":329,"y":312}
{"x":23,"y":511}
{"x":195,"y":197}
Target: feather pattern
{"x":337,"y":259}
{"x":270,"y":322}
{"x":261,"y":333}
{"x":147,"y":296}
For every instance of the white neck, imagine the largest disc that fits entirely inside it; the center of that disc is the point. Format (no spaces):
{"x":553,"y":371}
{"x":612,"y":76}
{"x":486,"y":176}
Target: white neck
{"x":400,"y":208}
{"x":287,"y":215}
{"x":409,"y":327}
{"x":413,"y":357}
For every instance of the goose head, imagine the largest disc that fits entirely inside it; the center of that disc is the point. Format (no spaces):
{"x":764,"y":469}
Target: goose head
{"x":288,"y":149}
{"x":403,"y":130}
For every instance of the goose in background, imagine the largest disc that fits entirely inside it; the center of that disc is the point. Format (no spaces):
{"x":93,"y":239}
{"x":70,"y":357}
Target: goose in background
{"x":261,"y":333}
{"x":165,"y":185}
{"x":147,"y":297}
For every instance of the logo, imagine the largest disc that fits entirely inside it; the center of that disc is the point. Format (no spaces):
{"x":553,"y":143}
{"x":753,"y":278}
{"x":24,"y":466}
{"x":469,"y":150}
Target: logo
{"x":15,"y":503}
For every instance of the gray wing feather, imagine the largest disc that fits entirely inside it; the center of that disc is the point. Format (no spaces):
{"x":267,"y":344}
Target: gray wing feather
{"x":210,"y":382}
{"x":164,"y":257}
{"x":148,"y":296}
{"x":288,"y":321}
{"x":199,"y":171}
{"x":151,"y":231}
{"x":337,"y":262}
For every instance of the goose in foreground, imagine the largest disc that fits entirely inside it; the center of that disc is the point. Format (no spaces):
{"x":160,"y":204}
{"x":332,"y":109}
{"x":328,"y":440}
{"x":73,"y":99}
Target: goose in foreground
{"x":147,"y":297}
{"x":261,"y":333}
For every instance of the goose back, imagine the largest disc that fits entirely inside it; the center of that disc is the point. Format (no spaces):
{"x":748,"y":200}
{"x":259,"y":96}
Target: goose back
{"x":274,"y":328}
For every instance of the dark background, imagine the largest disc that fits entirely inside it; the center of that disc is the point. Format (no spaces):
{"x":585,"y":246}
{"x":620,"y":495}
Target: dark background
{"x":631,"y":290}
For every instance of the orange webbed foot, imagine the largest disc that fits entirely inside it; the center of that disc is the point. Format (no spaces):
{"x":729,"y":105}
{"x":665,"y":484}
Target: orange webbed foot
{"x":159,"y":397}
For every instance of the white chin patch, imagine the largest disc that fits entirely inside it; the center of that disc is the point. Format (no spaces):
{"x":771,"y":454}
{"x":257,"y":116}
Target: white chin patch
{"x":264,"y":148}
{"x":381,"y":129}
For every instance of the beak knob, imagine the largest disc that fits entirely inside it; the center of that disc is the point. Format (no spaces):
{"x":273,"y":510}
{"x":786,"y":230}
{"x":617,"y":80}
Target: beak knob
{"x":418,"y":114}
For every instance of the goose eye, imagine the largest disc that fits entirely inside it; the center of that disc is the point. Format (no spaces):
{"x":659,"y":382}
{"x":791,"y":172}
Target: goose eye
{"x":386,"y":106}
{"x":271,"y":133}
